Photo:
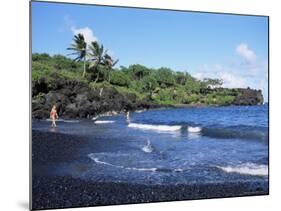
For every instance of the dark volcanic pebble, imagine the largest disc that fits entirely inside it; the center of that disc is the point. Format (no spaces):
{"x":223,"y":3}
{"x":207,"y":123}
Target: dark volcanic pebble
{"x":53,"y":191}
{"x":59,"y":192}
{"x":50,"y":147}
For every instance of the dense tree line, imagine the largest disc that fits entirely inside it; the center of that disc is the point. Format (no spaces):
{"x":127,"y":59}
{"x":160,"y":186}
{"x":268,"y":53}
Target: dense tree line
{"x":93,"y":66}
{"x":161,"y":86}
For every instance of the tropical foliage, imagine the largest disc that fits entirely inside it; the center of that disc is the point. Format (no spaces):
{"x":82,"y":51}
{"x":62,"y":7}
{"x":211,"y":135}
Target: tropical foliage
{"x":79,"y":48}
{"x":95,"y":58}
{"x":160,"y":86}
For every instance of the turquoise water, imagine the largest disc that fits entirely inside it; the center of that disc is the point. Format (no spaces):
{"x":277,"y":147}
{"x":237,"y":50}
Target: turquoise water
{"x":170,"y":146}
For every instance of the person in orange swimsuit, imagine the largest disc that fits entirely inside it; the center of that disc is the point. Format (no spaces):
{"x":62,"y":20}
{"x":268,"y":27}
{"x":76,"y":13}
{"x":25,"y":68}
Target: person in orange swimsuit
{"x":54,"y":116}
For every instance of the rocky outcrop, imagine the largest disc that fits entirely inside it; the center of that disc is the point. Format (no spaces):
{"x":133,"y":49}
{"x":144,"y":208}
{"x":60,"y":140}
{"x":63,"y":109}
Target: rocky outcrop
{"x":77,"y":100}
{"x":248,"y":97}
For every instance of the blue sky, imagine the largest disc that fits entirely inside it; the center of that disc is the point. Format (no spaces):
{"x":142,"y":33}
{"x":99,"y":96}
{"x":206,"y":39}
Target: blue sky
{"x":230,"y":47}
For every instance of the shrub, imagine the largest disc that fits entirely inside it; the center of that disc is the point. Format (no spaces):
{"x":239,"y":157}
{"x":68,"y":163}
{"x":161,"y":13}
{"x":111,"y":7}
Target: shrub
{"x":119,"y":78}
{"x":149,"y":84}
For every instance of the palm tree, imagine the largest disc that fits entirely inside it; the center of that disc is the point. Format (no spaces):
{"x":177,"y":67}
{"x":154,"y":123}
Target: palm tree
{"x":96,"y":54}
{"x":79,"y":46}
{"x":108,"y":62}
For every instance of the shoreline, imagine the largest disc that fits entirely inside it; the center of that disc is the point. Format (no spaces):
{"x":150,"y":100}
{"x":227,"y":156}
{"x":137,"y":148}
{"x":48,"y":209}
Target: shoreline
{"x":51,"y":190}
{"x":115,"y":113}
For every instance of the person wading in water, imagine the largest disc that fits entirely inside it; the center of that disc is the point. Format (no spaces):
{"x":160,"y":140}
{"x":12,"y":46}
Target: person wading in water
{"x":54,"y":116}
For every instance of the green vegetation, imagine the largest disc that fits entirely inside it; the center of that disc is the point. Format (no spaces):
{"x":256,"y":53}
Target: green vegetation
{"x":89,"y":85}
{"x":95,"y":67}
{"x":160,"y":86}
{"x":79,"y":48}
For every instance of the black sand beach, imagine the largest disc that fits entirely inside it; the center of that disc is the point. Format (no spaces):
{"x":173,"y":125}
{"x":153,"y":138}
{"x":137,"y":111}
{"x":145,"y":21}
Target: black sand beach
{"x":51,"y":190}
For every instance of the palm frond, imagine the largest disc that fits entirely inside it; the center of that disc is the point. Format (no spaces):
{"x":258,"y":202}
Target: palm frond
{"x":114,"y":63}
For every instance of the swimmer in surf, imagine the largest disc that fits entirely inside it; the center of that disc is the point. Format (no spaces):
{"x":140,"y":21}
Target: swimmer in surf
{"x":127,"y":112}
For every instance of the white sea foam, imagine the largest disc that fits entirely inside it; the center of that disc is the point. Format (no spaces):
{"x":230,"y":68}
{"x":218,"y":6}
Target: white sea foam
{"x":104,"y":122}
{"x":155,"y":127}
{"x":147,"y":148}
{"x":178,"y":170}
{"x":194,"y":129}
{"x":194,"y":136}
{"x":98,"y":161}
{"x":248,"y":168}
{"x":95,"y":118}
{"x":140,"y":111}
{"x":109,"y":113}
{"x":71,"y":121}
{"x":102,"y":162}
{"x":141,"y":169}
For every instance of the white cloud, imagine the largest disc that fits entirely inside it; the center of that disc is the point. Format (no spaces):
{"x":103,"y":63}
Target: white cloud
{"x":248,"y":54}
{"x":252,"y":72}
{"x":199,"y":75}
{"x":230,"y":78}
{"x":87,"y":32}
{"x":235,"y":77}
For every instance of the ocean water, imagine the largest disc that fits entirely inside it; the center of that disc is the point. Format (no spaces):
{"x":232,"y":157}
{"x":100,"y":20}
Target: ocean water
{"x":173,"y":146}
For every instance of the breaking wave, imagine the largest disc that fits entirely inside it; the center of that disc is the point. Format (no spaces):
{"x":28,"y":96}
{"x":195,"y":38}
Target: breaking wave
{"x":104,"y":122}
{"x":240,"y":133}
{"x":248,"y":168}
{"x":194,"y":129}
{"x":163,"y":128}
{"x":237,"y":132}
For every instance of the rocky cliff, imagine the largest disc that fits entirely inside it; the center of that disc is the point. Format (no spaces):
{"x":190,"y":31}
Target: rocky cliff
{"x":249,"y":97}
{"x":77,"y":100}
